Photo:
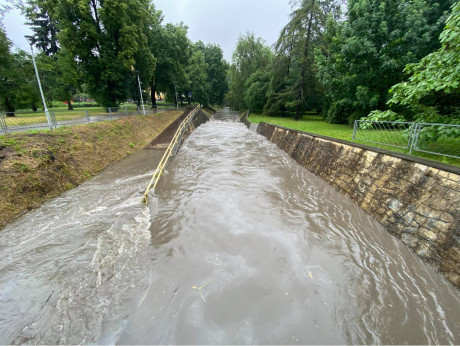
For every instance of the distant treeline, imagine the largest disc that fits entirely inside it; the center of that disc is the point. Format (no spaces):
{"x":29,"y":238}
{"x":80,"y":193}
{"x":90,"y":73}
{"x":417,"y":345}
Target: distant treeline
{"x":381,"y":59}
{"x":100,"y":48}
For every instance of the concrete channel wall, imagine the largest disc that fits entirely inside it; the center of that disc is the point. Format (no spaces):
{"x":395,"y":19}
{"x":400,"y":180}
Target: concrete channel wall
{"x":416,"y":200}
{"x":199,"y":119}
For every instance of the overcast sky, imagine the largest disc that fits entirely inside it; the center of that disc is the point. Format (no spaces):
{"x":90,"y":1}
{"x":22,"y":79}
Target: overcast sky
{"x":211,"y":21}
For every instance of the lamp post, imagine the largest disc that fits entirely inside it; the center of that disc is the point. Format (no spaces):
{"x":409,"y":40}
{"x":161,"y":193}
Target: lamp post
{"x":175,"y":97}
{"x":140,"y":92}
{"x":48,"y":118}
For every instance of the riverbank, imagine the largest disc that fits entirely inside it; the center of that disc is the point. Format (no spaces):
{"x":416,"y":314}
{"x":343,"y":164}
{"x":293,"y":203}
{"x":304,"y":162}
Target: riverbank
{"x":314,"y":123}
{"x":40,"y":165}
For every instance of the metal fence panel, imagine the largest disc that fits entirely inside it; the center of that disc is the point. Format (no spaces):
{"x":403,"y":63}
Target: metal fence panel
{"x":28,"y":120}
{"x":388,"y":133}
{"x":22,"y":121}
{"x":438,"y":139}
{"x":3,"y":126}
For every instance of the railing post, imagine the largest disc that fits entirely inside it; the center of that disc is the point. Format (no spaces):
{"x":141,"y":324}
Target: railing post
{"x":355,"y":128}
{"x":110,"y":113}
{"x":126,"y":110}
{"x":87,"y":115}
{"x":3,"y":122}
{"x":138,"y":110}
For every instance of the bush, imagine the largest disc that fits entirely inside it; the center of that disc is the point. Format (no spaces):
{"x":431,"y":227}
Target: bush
{"x":388,"y":115}
{"x":339,"y":112}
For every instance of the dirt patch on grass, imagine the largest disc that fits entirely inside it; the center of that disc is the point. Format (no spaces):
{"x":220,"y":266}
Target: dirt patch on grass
{"x":35,"y":167}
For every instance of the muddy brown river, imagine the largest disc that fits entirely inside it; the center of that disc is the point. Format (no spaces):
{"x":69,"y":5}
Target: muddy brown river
{"x":239,"y":245}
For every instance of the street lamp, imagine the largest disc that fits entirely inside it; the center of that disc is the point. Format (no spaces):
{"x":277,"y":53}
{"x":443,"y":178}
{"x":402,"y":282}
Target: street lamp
{"x":48,"y":118}
{"x":140,"y":92}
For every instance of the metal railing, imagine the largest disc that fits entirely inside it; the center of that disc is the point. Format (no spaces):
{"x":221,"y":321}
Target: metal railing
{"x":437,"y":139}
{"x":24,"y":121}
{"x":171,"y":151}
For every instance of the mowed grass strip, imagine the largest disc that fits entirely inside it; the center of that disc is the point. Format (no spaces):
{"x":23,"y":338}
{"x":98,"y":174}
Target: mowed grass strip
{"x":315,"y":124}
{"x":39,"y":117}
{"x":309,"y":123}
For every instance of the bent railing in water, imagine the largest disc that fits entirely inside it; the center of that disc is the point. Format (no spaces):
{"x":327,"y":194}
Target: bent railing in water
{"x":172,"y":149}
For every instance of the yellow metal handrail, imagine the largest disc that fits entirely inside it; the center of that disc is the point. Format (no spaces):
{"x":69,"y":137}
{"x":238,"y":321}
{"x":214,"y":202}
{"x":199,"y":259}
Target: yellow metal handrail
{"x":168,"y":153}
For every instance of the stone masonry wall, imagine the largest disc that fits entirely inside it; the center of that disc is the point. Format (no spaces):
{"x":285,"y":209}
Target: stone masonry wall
{"x":416,"y":200}
{"x":244,"y":119}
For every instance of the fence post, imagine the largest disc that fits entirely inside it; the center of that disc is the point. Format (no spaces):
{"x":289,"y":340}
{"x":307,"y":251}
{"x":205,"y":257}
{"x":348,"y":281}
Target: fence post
{"x":3,"y":122}
{"x":87,"y":115}
{"x":53,"y":118}
{"x":126,"y":110}
{"x":416,"y":137}
{"x":110,"y":112}
{"x":413,"y":133}
{"x":355,"y":128}
{"x":413,"y":127}
{"x":138,"y":110}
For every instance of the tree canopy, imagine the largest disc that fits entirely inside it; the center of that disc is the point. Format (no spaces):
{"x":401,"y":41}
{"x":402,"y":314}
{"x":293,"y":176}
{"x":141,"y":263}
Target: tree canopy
{"x":250,"y":55}
{"x":432,"y":93}
{"x":102,"y":47}
{"x":346,"y":59}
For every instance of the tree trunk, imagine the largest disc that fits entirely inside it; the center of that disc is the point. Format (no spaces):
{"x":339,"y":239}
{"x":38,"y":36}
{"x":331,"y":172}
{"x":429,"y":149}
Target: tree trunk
{"x":304,"y":65}
{"x":9,"y":108}
{"x":112,"y":97}
{"x":69,"y":105}
{"x":153,"y":90}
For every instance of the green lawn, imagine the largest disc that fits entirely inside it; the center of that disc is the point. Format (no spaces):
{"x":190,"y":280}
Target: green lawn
{"x":309,"y":123}
{"x":315,"y":124}
{"x":28,"y":117}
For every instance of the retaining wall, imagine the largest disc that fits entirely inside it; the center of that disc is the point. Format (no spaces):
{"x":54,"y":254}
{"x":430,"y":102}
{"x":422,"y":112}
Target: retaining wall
{"x":199,"y":119}
{"x":244,"y":119}
{"x":416,"y":200}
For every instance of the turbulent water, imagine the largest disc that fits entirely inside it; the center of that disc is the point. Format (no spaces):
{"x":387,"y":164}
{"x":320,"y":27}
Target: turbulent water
{"x":238,"y":245}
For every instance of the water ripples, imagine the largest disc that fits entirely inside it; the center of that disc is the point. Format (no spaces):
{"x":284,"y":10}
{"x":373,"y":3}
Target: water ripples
{"x":239,"y":244}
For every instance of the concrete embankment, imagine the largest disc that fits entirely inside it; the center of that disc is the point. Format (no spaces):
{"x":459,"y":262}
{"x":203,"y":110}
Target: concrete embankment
{"x":416,"y":200}
{"x":35,"y":167}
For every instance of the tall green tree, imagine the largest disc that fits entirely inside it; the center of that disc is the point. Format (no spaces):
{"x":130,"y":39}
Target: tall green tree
{"x":44,"y":24}
{"x":432,"y":93}
{"x":18,"y":85}
{"x":367,"y":53}
{"x":257,"y":87}
{"x":105,"y":38}
{"x":294,"y":85}
{"x":59,"y":75}
{"x":197,"y":74}
{"x":250,"y":55}
{"x":6,"y":59}
{"x":216,"y":73}
{"x":171,"y":49}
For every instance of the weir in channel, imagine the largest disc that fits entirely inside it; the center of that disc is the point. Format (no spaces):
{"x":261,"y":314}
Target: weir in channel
{"x":239,"y":244}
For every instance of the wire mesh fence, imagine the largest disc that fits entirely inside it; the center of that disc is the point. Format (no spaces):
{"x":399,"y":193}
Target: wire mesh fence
{"x":24,"y":121}
{"x":437,"y":139}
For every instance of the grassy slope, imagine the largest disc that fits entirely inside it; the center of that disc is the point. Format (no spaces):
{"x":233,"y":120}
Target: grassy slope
{"x":315,"y":124}
{"x":40,"y":165}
